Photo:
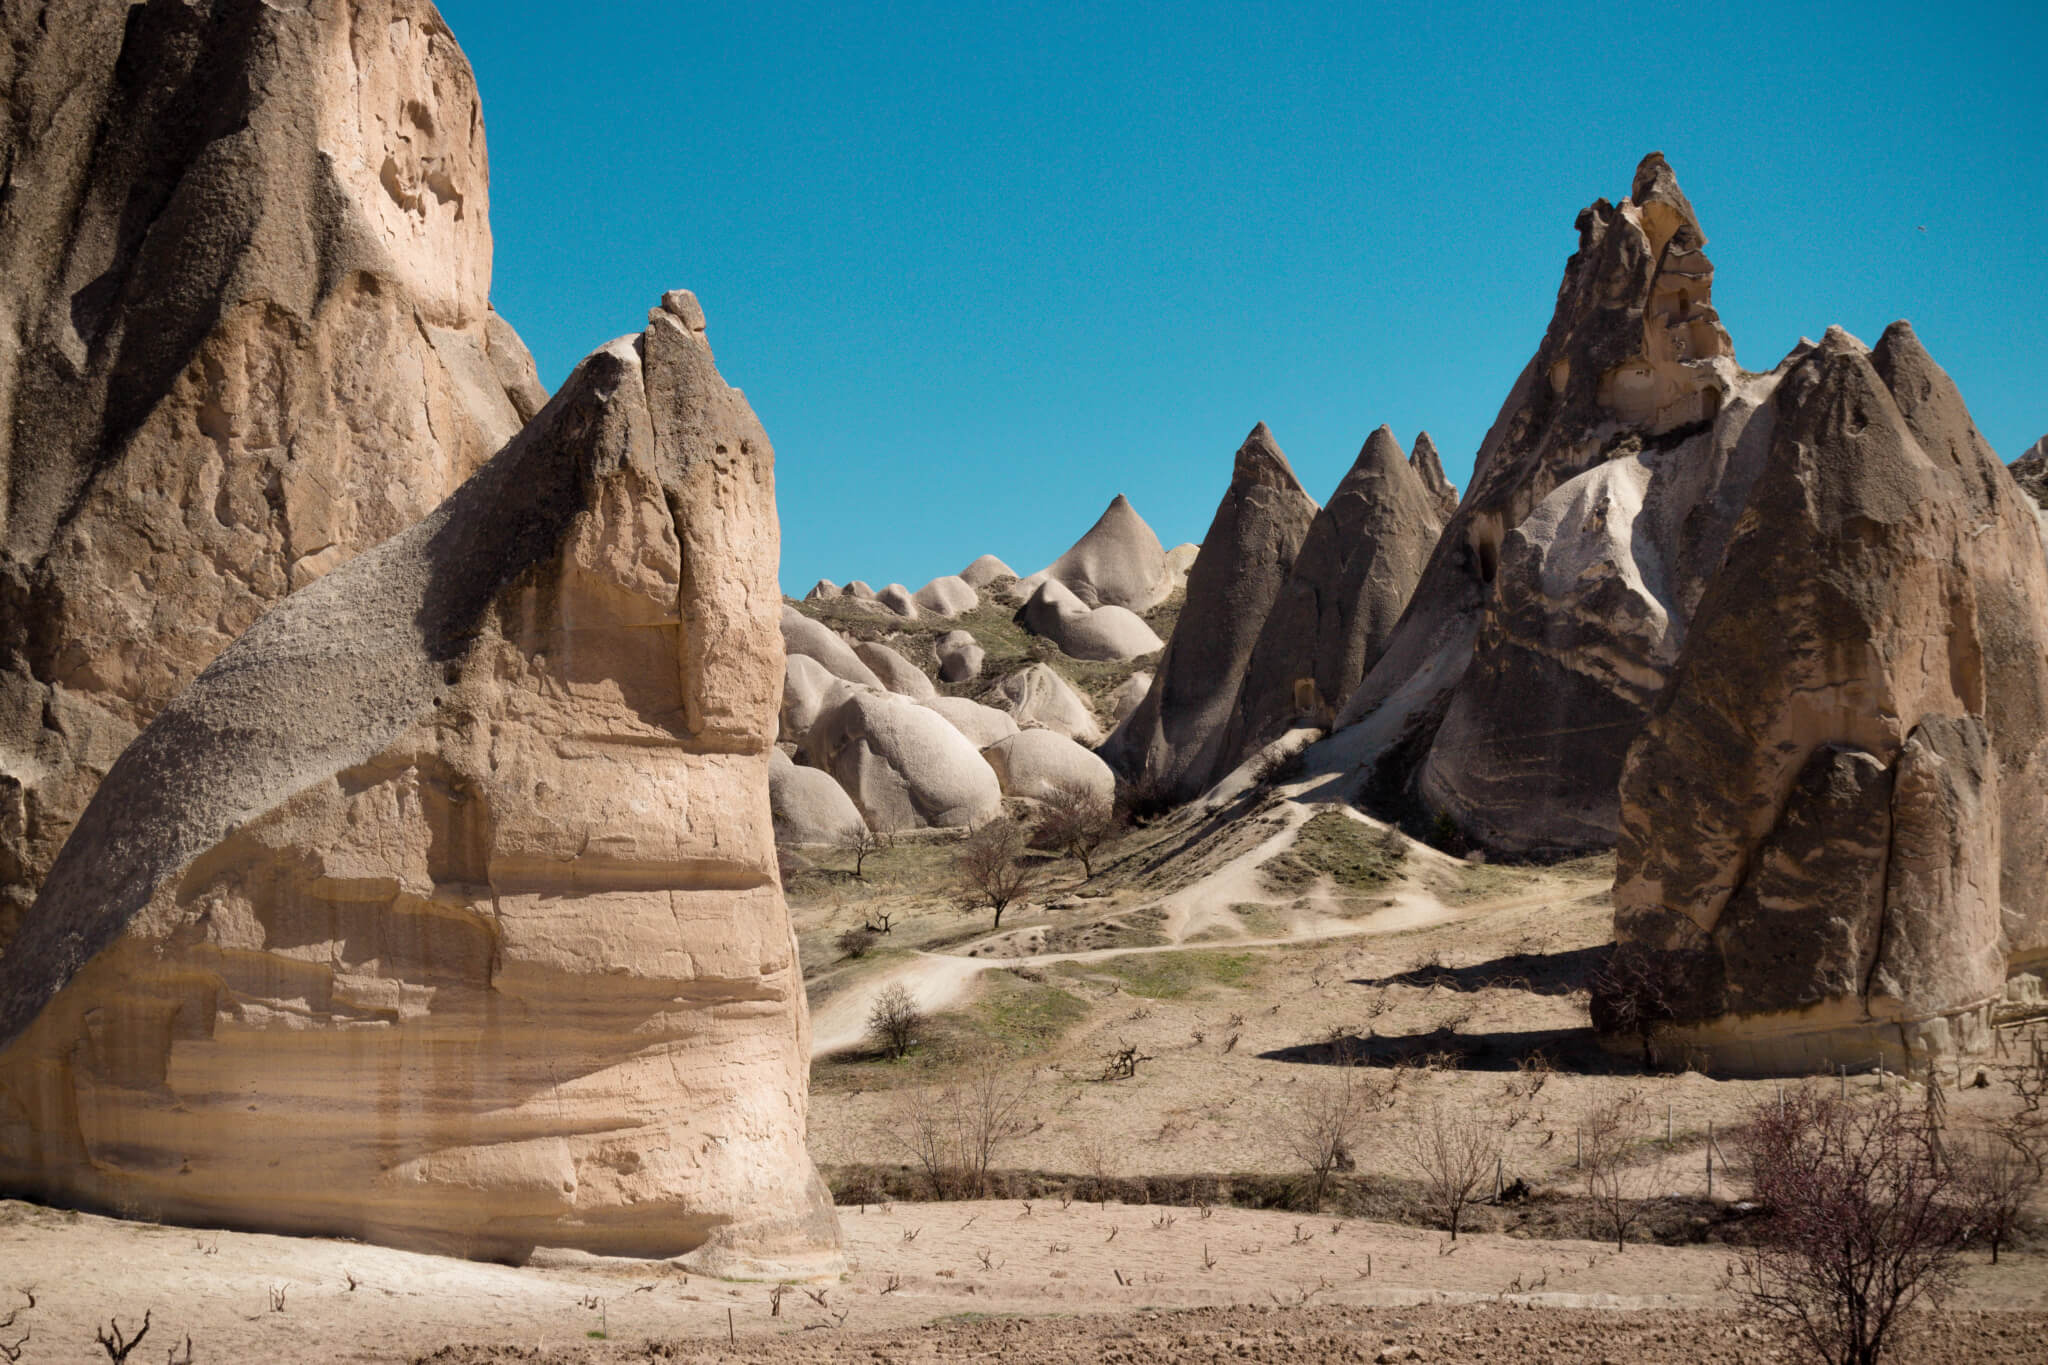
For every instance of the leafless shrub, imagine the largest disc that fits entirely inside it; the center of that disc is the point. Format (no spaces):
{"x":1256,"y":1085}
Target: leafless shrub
{"x":895,"y":1020}
{"x":117,"y":1346}
{"x":954,"y":1131}
{"x":11,"y":1352}
{"x":1143,"y":799}
{"x":1862,"y":1222}
{"x":1454,"y":1154}
{"x":1999,"y":1176}
{"x":860,"y":844}
{"x":877,"y":921}
{"x":1637,"y":991}
{"x":990,"y":871}
{"x":1324,"y":1127}
{"x":1077,"y":821}
{"x":1122,"y":1063}
{"x":855,"y":942}
{"x":1620,"y":1191}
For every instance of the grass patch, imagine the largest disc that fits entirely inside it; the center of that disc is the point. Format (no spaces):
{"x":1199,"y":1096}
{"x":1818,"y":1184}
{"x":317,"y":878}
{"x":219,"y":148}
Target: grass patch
{"x":1487,"y":881}
{"x":1170,"y":976}
{"x":1332,"y":844}
{"x":1023,"y":1015}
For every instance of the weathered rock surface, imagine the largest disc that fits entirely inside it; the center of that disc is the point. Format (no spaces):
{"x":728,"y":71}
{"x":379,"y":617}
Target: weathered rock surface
{"x":808,"y":691}
{"x":808,"y":806}
{"x":1357,"y":566}
{"x":2030,"y":471}
{"x":801,"y":636}
{"x":441,"y":909}
{"x":985,"y":571}
{"x":960,"y":656}
{"x":245,"y":269}
{"x":1118,"y":563}
{"x":821,"y":590}
{"x":948,"y":596}
{"x":1835,"y":825}
{"x":897,"y":673}
{"x":1429,"y":467}
{"x":900,"y":600}
{"x":1175,"y":738}
{"x":1125,"y":699}
{"x":983,"y":725}
{"x":1037,"y":764}
{"x":1180,"y":561}
{"x":1037,"y":695}
{"x":904,"y":765}
{"x":1552,"y":607}
{"x":1084,"y":632}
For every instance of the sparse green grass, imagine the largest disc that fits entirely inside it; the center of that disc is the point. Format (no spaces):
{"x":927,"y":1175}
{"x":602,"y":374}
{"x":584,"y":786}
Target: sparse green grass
{"x":1023,"y":1015}
{"x":1332,"y":844}
{"x":1487,"y":881}
{"x":1170,"y":976}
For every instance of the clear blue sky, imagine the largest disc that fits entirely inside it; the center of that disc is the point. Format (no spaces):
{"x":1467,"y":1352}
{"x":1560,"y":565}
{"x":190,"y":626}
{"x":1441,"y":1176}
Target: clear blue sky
{"x":979,"y":268}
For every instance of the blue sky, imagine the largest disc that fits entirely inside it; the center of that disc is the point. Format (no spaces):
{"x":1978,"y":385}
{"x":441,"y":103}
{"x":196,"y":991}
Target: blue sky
{"x":980,"y":268}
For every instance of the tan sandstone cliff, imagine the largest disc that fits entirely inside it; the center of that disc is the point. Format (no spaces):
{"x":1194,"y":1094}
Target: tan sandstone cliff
{"x":441,"y":909}
{"x":245,"y":333}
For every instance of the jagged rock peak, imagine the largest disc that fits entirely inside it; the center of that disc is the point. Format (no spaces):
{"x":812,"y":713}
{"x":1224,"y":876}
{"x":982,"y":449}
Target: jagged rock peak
{"x":1429,"y":467}
{"x":496,"y":789}
{"x":2031,"y":471}
{"x":1261,"y":461}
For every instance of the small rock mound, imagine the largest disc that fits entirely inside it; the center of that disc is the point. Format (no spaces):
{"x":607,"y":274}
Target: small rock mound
{"x":897,"y":673}
{"x":949,"y":596}
{"x":1037,"y":695}
{"x":985,"y":571}
{"x":905,"y":766}
{"x":1107,"y":634}
{"x":808,"y":806}
{"x":960,"y":656}
{"x":1038,"y":763}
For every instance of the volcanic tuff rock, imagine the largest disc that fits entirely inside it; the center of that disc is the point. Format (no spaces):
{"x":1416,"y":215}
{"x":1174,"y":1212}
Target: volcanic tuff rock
{"x":1125,"y":699}
{"x":245,"y":333}
{"x":808,"y":691}
{"x":948,"y":596}
{"x":1430,"y":469}
{"x":897,"y":673}
{"x":1084,"y":632}
{"x":816,"y":640}
{"x":1835,"y":826}
{"x":904,"y":765}
{"x":1175,"y":738}
{"x":1118,"y":563}
{"x":441,"y":909}
{"x":960,"y":656}
{"x":983,"y":725}
{"x":1550,"y":611}
{"x":985,"y":571}
{"x":1359,"y":562}
{"x":1037,"y":695}
{"x":1038,"y":764}
{"x":808,"y":806}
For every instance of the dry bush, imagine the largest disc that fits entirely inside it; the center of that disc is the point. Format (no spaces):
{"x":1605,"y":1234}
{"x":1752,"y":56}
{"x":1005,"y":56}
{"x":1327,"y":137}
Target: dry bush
{"x":1638,"y":991}
{"x":895,"y":1020}
{"x":954,"y":1131}
{"x":1454,"y":1153}
{"x":1621,"y":1192}
{"x":1861,"y":1221}
{"x":855,"y":942}
{"x":1077,"y":820}
{"x":1324,"y":1127}
{"x":1999,"y":1176}
{"x":990,"y":871}
{"x":1142,"y":799}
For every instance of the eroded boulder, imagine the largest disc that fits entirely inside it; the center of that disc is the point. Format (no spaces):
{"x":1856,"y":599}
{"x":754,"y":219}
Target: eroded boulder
{"x":808,"y":806}
{"x":1036,"y":695}
{"x":441,"y":909}
{"x":1103,"y":634}
{"x":1040,"y":765}
{"x":1118,"y":563}
{"x":904,"y":765}
{"x":897,"y":673}
{"x":983,"y":725}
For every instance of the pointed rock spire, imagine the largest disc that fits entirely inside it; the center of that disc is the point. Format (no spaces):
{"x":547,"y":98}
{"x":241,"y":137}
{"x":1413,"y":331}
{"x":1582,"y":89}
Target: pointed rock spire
{"x":1430,"y":469}
{"x":1118,"y":563}
{"x":2031,"y":471}
{"x":1175,"y":738}
{"x":1350,"y":582}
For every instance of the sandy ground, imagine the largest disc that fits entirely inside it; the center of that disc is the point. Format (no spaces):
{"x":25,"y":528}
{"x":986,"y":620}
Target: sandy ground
{"x":1301,"y":1289}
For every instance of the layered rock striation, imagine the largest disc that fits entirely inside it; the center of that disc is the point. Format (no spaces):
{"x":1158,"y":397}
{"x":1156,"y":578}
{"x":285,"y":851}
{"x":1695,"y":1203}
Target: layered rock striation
{"x":441,"y":909}
{"x":1834,"y":827}
{"x":245,"y":333}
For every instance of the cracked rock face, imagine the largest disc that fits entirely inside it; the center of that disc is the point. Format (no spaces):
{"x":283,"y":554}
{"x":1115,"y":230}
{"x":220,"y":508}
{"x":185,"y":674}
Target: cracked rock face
{"x":245,"y":334}
{"x":1175,"y":737}
{"x":1550,"y":611}
{"x":1836,"y":819}
{"x":441,"y":909}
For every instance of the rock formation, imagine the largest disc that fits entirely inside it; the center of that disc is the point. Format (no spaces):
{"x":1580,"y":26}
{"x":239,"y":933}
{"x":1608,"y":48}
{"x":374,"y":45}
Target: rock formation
{"x":1551,"y":610}
{"x":1038,"y":695}
{"x":897,"y":673}
{"x":948,"y":596}
{"x":904,"y":765}
{"x":441,"y":909}
{"x":984,"y":571}
{"x":803,"y":637}
{"x":245,"y":269}
{"x":983,"y":725}
{"x":1834,"y":833}
{"x":1125,"y":699}
{"x":808,"y":806}
{"x":960,"y":656}
{"x":1037,"y":764}
{"x":1118,"y":563}
{"x":1430,"y":469}
{"x":1175,"y":737}
{"x":1357,"y":566}
{"x":1084,"y":632}
{"x":900,"y":600}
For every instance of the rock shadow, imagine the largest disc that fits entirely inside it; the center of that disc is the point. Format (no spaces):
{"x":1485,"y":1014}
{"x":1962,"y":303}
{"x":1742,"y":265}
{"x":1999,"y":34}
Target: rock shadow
{"x":1537,"y":973}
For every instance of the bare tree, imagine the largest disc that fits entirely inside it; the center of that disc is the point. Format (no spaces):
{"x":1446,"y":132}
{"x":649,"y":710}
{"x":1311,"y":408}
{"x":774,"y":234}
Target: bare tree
{"x":855,"y":942}
{"x":1453,"y":1153}
{"x":1076,"y":822}
{"x":894,"y":1020}
{"x":860,"y":844}
{"x":954,"y":1131}
{"x":1862,"y":1222}
{"x":1999,"y":1175}
{"x":1324,"y":1127}
{"x":991,"y":870}
{"x":1621,"y":1191}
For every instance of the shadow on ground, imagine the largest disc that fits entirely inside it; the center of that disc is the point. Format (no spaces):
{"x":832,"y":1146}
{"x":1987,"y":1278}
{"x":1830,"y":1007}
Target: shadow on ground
{"x":1564,"y":1049}
{"x":1537,"y":973}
